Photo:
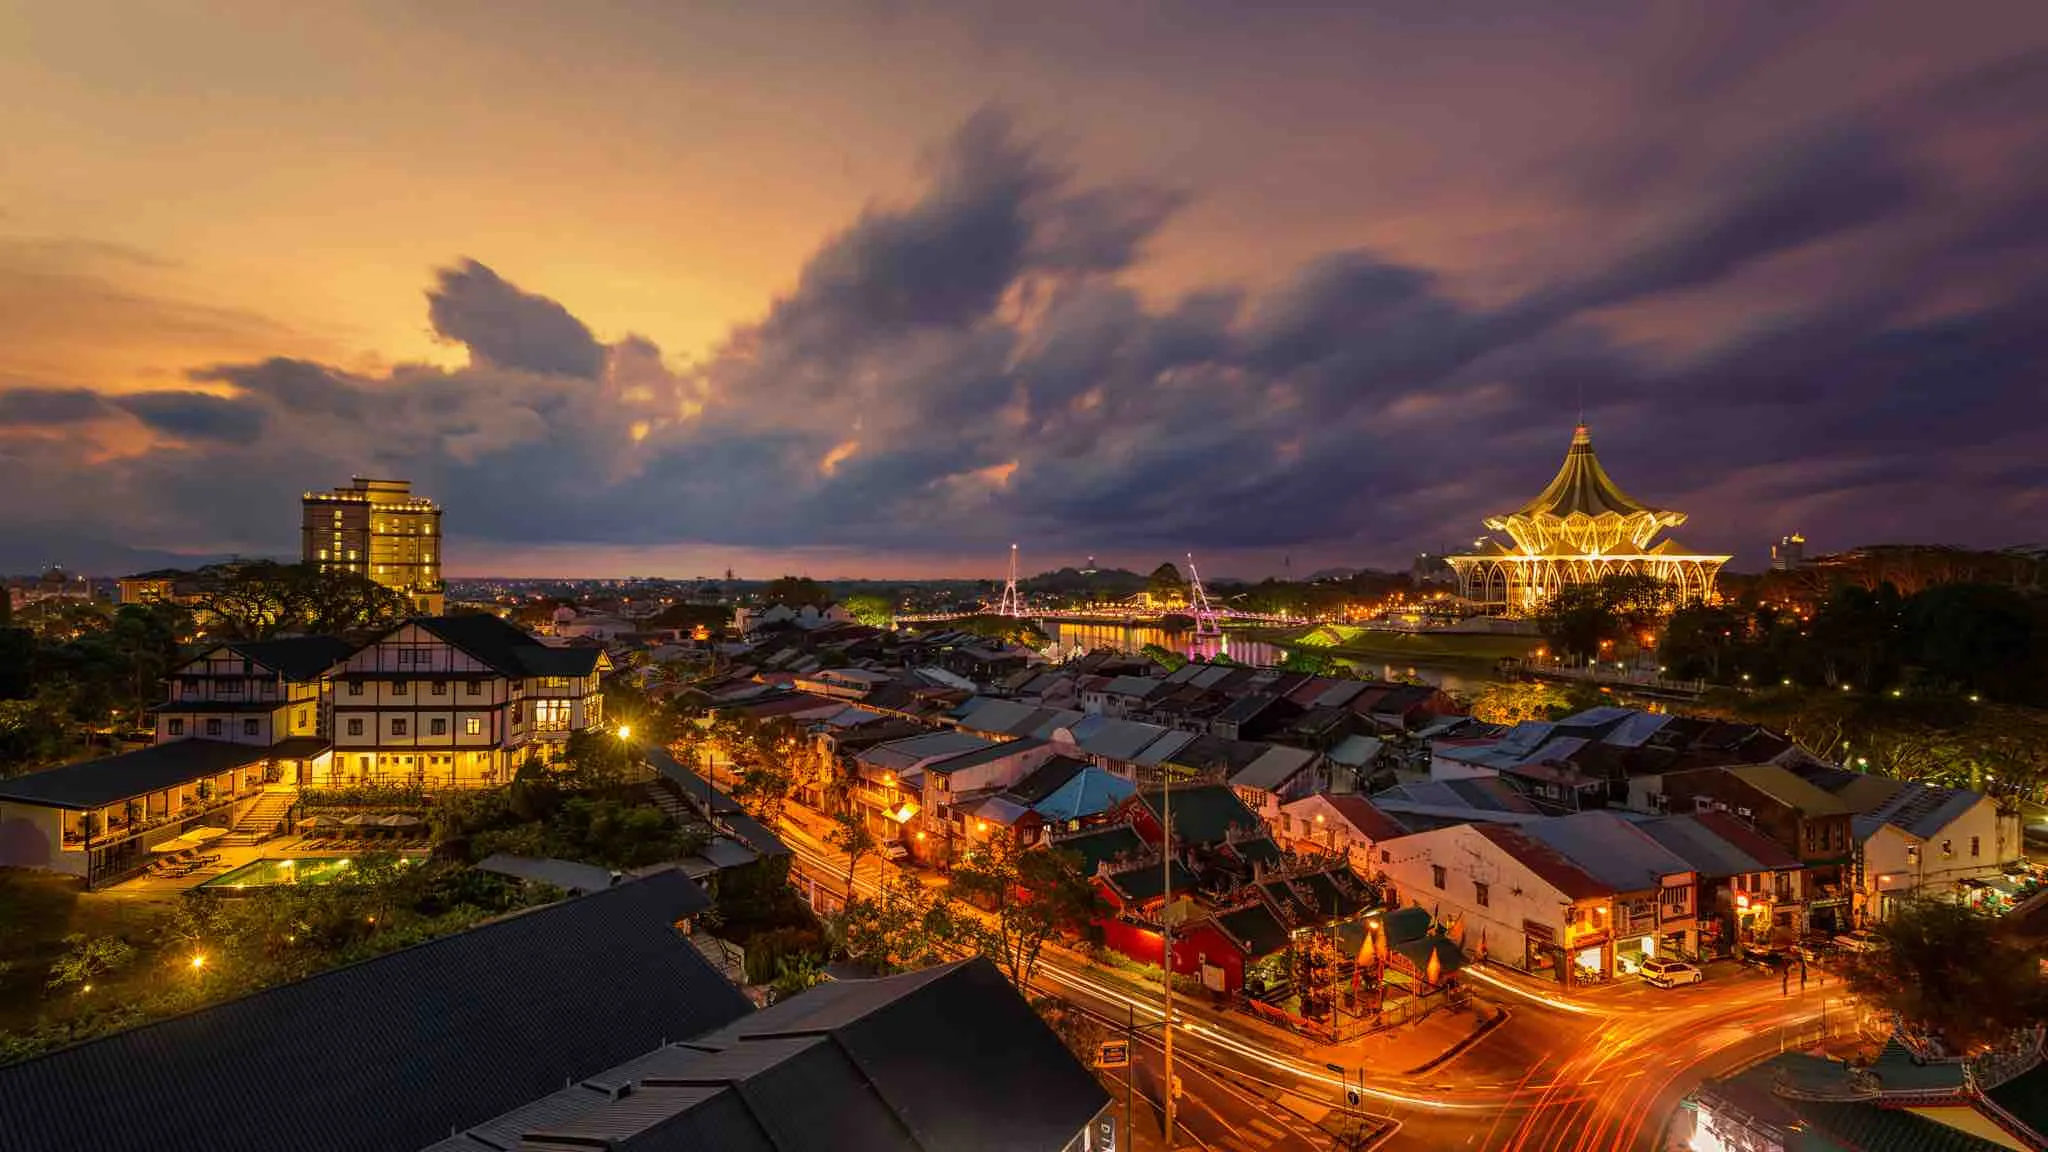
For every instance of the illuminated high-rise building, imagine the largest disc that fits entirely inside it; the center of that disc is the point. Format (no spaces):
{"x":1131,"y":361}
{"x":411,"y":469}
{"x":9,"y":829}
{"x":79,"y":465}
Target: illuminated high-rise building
{"x":380,"y":529}
{"x":1581,"y":529}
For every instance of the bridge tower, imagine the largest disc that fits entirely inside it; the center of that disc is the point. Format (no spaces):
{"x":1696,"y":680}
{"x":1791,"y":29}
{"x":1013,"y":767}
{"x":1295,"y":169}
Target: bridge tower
{"x":1208,"y":622}
{"x":1011,"y":604}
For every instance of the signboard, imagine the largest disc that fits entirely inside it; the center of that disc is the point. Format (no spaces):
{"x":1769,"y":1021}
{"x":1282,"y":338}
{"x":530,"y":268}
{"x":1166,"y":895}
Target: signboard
{"x":1105,"y":1134}
{"x":1113,"y":1054}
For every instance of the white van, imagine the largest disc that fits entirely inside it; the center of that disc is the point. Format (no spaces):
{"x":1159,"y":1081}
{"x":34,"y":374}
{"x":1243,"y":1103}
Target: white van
{"x":1670,"y":973}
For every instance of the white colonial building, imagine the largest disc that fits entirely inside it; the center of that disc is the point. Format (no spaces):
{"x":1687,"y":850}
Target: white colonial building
{"x":458,"y":701}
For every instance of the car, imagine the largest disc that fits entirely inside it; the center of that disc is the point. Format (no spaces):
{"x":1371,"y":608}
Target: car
{"x":1669,"y":973}
{"x":894,"y":850}
{"x":1861,"y":940}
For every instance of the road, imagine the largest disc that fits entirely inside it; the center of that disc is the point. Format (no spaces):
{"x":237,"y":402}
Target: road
{"x":1600,"y":1071}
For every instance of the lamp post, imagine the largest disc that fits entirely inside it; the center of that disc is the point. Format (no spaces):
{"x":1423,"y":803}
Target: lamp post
{"x":1166,"y":936}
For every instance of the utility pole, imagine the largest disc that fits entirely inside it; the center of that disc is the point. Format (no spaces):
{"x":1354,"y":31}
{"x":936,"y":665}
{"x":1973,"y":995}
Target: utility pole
{"x":1166,"y":932}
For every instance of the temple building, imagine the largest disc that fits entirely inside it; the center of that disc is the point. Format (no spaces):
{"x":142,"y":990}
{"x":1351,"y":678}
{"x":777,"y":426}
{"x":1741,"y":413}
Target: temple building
{"x":1582,"y":528}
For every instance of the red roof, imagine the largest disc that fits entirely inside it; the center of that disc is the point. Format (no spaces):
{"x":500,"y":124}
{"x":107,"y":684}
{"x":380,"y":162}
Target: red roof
{"x":1546,"y":862}
{"x":1755,"y":844}
{"x":1360,"y":814}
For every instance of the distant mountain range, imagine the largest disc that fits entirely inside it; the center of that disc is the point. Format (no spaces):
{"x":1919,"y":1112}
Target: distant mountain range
{"x":34,"y":550}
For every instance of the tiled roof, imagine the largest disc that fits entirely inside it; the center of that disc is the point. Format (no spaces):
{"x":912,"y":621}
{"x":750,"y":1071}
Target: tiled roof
{"x":1203,"y":813}
{"x":1256,"y":928}
{"x":112,"y":779}
{"x":392,"y":1053}
{"x":1148,"y":881}
{"x":1101,"y":845}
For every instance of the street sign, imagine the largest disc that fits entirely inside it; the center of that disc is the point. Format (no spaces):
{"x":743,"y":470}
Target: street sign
{"x":1105,"y":1134}
{"x":1176,"y":1087}
{"x":1113,"y":1054}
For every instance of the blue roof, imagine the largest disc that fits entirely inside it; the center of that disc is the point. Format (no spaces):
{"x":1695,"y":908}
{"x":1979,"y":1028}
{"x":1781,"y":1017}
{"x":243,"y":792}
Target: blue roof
{"x":1089,"y":792}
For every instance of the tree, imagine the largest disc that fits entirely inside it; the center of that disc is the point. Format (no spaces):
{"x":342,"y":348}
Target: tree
{"x":850,"y":834}
{"x":906,"y":925}
{"x":1702,"y":641}
{"x":1005,"y":630}
{"x":796,"y":591}
{"x":1981,"y":637}
{"x":1033,"y":895}
{"x":87,"y":958}
{"x":1580,"y":619}
{"x":1511,"y":702}
{"x":1576,"y":620}
{"x":871,"y":609}
{"x":1165,"y":657}
{"x":257,"y":600}
{"x":1948,"y":971}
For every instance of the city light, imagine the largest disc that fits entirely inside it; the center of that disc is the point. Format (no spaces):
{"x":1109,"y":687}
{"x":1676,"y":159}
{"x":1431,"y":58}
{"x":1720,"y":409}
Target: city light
{"x":198,"y":960}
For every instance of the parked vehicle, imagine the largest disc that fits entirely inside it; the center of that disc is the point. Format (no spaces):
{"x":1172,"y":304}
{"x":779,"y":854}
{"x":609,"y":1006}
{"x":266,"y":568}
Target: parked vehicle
{"x":894,"y":850}
{"x":1861,"y":940}
{"x":1670,"y":973}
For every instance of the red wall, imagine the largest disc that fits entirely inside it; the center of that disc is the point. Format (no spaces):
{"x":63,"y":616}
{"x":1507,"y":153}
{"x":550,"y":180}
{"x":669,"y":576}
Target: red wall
{"x":1191,"y":947}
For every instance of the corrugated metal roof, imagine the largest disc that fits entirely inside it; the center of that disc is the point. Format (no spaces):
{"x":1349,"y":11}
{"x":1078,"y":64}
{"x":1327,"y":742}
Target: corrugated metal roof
{"x":1609,"y":847}
{"x":1164,"y":748}
{"x":391,"y":1053}
{"x":568,"y":875}
{"x":1356,"y":751}
{"x":1089,"y":792}
{"x":1275,"y":768}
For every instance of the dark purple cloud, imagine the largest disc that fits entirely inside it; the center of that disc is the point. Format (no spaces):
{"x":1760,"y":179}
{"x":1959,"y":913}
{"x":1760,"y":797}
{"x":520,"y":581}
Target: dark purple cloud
{"x":50,"y":407}
{"x":507,"y":328}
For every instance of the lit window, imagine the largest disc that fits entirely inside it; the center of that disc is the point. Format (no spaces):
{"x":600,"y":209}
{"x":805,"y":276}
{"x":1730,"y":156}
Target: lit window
{"x":323,"y":553}
{"x":551,"y":715}
{"x":473,"y":726}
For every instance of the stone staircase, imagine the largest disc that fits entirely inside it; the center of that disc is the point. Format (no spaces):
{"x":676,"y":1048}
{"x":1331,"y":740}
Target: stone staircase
{"x":670,"y":805}
{"x":261,"y":821}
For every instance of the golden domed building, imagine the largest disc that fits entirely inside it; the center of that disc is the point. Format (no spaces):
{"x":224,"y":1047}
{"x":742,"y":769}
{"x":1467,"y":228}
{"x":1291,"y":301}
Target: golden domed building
{"x":1582,"y":528}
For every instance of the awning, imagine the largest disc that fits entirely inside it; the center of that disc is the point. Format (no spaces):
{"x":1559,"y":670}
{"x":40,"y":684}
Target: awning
{"x":903,"y":814}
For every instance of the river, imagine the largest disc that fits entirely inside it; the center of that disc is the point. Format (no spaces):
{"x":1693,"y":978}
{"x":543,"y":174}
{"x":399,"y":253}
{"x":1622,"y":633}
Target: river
{"x":1258,"y":653}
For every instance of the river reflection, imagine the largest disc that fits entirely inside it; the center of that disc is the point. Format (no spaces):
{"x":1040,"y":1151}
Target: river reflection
{"x":1069,"y":637}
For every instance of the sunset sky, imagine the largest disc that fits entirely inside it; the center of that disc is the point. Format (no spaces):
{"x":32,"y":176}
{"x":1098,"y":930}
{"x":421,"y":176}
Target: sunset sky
{"x":879,"y":288}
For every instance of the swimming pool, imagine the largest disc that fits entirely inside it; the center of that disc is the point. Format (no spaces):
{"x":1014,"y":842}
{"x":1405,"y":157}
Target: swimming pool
{"x":271,"y":871}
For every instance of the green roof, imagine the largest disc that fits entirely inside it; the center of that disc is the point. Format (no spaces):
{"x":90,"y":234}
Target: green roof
{"x":1149,"y":882}
{"x":1257,"y":928}
{"x":1204,"y":813}
{"x":1100,"y":845}
{"x":1788,"y":788}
